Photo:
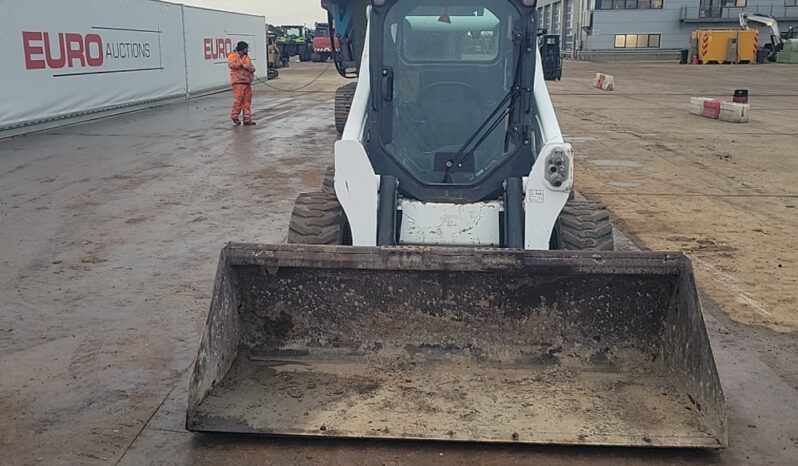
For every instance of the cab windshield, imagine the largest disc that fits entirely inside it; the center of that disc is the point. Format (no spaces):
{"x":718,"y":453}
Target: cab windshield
{"x":453,"y":66}
{"x":293,"y":32}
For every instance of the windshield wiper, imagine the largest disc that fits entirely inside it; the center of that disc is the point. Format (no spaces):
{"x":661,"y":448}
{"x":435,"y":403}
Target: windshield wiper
{"x":495,"y":118}
{"x":504,"y":108}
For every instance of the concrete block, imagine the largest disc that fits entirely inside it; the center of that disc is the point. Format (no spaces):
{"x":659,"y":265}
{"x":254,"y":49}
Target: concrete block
{"x":605,"y":82}
{"x":734,"y":112}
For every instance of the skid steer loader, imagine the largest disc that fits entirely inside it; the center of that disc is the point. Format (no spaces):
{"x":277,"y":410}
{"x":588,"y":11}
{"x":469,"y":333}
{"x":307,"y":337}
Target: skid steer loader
{"x":445,"y":285}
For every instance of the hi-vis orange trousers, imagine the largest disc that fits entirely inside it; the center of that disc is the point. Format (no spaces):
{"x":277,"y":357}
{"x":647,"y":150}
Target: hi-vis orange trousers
{"x":242,"y":101}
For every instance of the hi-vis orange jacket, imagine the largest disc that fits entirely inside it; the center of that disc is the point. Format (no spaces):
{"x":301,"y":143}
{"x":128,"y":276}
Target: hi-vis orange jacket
{"x":239,"y":74}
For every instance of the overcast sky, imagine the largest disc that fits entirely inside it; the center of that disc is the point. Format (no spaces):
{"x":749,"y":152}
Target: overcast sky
{"x":276,"y":11}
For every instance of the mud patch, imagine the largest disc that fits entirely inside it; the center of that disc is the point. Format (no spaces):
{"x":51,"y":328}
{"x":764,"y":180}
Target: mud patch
{"x":311,"y":178}
{"x":92,"y":259}
{"x":295,"y":161}
{"x":624,"y":184}
{"x":616,"y":163}
{"x":446,"y":402}
{"x":136,"y":220}
{"x":268,"y":173}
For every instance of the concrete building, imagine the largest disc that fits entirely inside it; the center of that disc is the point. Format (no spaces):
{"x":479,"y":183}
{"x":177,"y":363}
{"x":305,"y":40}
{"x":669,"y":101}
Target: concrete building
{"x":648,"y":29}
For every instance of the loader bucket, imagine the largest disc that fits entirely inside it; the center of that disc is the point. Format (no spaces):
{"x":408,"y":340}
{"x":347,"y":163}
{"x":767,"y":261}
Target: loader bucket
{"x":458,"y":345}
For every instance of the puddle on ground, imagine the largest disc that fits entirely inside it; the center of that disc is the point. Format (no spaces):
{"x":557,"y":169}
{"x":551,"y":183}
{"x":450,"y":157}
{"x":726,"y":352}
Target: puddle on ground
{"x":617,"y":163}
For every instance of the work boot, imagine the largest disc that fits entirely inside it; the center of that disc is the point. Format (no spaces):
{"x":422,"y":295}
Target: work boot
{"x":249,"y":123}
{"x":236,"y":121}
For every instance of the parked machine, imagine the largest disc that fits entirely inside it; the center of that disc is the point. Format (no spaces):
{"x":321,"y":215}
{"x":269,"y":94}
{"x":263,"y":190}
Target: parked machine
{"x":273,"y":56}
{"x":783,"y":46}
{"x":322,"y":43}
{"x":776,"y":41}
{"x":551,"y":57}
{"x":294,"y":41}
{"x":789,"y":51}
{"x":444,"y":284}
{"x":719,"y":46}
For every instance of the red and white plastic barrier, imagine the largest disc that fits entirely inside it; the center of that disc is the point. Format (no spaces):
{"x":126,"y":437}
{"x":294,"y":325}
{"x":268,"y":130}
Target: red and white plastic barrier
{"x":715,"y":109}
{"x":697,"y":105}
{"x":712,"y":108}
{"x":734,"y":112}
{"x":605,"y":82}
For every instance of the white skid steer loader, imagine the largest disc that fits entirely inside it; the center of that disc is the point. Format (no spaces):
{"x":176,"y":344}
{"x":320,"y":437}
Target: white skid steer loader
{"x":442,"y":285}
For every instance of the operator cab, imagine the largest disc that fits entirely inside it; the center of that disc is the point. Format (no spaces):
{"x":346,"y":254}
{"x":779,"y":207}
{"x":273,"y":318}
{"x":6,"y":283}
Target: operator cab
{"x":452,"y":114}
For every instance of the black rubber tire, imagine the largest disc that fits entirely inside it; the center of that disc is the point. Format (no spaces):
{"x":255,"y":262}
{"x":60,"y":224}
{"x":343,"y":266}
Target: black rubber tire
{"x":585,"y":226}
{"x":317,"y":218}
{"x":304,"y":54}
{"x":328,"y":183}
{"x":343,"y":103}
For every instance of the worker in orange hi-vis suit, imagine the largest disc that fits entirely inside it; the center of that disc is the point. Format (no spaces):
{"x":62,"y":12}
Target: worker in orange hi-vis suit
{"x":242,"y":73}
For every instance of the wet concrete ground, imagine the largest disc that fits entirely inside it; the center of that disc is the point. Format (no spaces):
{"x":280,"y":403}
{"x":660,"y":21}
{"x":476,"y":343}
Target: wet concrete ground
{"x":109,"y":234}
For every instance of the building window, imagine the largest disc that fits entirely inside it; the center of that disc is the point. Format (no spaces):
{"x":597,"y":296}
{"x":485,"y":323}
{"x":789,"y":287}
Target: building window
{"x":654,"y":40}
{"x":547,"y":18}
{"x":790,"y":2}
{"x":555,"y":18}
{"x":569,"y":24}
{"x":636,"y":4}
{"x":637,"y":41}
{"x":720,"y":9}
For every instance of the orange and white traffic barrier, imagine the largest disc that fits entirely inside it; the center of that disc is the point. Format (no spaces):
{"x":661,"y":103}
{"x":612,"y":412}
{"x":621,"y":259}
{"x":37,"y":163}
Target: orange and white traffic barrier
{"x":734,"y":112}
{"x":605,"y":82}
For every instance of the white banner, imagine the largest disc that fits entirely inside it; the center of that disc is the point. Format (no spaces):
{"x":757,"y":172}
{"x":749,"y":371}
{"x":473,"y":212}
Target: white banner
{"x":70,"y":57}
{"x":211,"y":36}
{"x":73,"y":56}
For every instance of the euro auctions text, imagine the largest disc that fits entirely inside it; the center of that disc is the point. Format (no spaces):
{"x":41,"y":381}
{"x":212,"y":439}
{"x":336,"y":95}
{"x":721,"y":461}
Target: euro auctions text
{"x":45,"y":50}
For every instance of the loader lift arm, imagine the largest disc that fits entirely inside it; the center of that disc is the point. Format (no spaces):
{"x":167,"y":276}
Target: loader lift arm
{"x":347,"y":26}
{"x":777,"y":43}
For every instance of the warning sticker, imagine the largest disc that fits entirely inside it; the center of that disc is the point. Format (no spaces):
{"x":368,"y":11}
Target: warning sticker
{"x":536,"y":196}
